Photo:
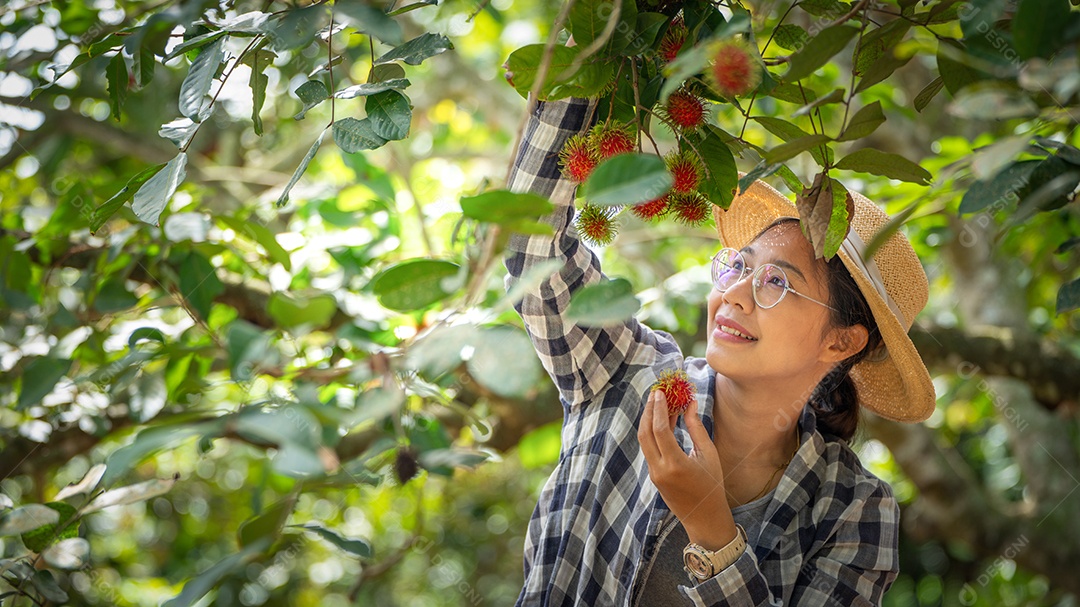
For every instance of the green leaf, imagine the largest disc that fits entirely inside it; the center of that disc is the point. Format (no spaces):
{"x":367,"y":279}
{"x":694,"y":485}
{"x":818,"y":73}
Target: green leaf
{"x":143,"y":67}
{"x":150,"y":200}
{"x":370,"y":88}
{"x":39,"y":377}
{"x":196,"y":85}
{"x":311,"y":93}
{"x":505,"y":362}
{"x":290,"y":311}
{"x":1038,"y":29}
{"x":795,"y":147}
{"x":116,"y":76}
{"x":991,"y":101}
{"x":88,"y":483}
{"x":132,"y":494}
{"x":604,"y":304}
{"x":390,"y":114}
{"x":791,"y":37}
{"x":418,"y":49}
{"x":839,"y":221}
{"x":954,"y":74}
{"x":193,"y":43}
{"x":147,"y":442}
{"x":722,"y":177}
{"x":199,"y":283}
{"x":761,"y":171}
{"x":646,"y":30}
{"x":259,"y":233}
{"x":352,"y":135}
{"x":505,"y":207}
{"x":1068,"y":297}
{"x":999,"y":191}
{"x":540,"y":447}
{"x":370,"y":20}
{"x":589,"y":18}
{"x":267,"y":524}
{"x":375,"y":405}
{"x":247,"y":345}
{"x":443,"y":461}
{"x":149,"y":333}
{"x":928,"y":93}
{"x":198,"y":586}
{"x":690,"y":61}
{"x":27,"y":518}
{"x":627,"y":179}
{"x":415,"y":284}
{"x":893,"y":166}
{"x":834,"y":97}
{"x":819,"y":50}
{"x":284,"y":198}
{"x":40,"y":538}
{"x":787,"y":131}
{"x":864,"y":122}
{"x":107,"y":208}
{"x":44,"y":582}
{"x":590,"y":78}
{"x":355,"y":546}
{"x":259,"y":59}
{"x":439,"y":351}
{"x":179,"y":131}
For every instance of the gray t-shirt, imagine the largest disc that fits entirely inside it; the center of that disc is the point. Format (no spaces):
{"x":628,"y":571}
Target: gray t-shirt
{"x":662,"y":572}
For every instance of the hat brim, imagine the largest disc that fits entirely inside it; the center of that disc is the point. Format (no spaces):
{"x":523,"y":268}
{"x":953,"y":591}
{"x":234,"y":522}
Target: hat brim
{"x":896,"y":386}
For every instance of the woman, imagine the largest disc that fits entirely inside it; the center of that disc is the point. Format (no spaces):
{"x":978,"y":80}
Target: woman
{"x":754,"y":497}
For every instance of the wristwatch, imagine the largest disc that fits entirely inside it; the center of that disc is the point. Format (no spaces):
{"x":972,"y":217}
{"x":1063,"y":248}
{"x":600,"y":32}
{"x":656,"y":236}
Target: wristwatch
{"x":701,"y":564}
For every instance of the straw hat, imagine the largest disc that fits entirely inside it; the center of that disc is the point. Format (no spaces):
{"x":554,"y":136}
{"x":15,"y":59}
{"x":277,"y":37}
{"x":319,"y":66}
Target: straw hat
{"x":897,"y":385}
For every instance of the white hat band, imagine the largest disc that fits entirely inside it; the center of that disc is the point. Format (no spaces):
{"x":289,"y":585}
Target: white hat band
{"x":854,"y":246}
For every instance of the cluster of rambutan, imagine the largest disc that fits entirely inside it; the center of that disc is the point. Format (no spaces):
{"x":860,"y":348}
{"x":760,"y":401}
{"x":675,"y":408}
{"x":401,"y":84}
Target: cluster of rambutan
{"x":733,"y":71}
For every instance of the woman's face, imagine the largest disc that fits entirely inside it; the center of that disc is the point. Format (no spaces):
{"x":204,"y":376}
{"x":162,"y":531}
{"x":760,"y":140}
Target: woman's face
{"x":784,"y":341}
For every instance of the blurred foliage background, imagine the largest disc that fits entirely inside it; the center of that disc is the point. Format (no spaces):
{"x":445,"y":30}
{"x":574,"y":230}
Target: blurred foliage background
{"x":260,"y":416}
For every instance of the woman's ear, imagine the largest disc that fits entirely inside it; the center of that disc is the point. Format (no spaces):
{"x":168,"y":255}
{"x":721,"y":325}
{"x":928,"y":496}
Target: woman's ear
{"x":845,"y":342}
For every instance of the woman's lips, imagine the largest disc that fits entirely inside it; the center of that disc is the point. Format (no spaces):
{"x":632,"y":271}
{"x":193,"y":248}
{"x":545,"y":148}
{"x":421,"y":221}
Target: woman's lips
{"x":729,"y":330}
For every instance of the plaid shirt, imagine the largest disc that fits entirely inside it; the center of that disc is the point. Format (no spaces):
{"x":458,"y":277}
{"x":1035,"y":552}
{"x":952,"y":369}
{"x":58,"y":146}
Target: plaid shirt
{"x":829,"y":536}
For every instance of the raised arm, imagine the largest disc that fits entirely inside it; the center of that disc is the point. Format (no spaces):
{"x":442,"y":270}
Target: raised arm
{"x":581,"y":360}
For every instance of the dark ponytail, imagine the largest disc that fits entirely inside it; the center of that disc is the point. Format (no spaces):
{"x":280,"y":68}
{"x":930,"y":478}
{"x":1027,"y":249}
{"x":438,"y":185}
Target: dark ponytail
{"x":835,"y":400}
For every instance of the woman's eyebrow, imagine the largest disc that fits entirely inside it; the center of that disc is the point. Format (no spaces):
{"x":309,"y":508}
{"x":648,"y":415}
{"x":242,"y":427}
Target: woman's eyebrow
{"x":749,"y":250}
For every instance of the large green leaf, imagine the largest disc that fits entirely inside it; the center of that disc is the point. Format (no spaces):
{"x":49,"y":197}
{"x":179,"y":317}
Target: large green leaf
{"x":504,"y":362}
{"x":150,"y":200}
{"x":1068,"y":297}
{"x":506,"y":208}
{"x":790,"y":132}
{"x":893,"y":166}
{"x":864,"y":122}
{"x":39,"y":377}
{"x":267,"y":524}
{"x":390,"y":114}
{"x":415,"y":284}
{"x":1039,"y":27}
{"x":416,"y":50}
{"x":148,"y":442}
{"x":293,"y":311}
{"x":258,"y":60}
{"x":607,"y":303}
{"x":1000,"y":190}
{"x":589,"y":19}
{"x":132,"y":494}
{"x":370,"y":20}
{"x":310,"y":93}
{"x":196,"y":85}
{"x":819,"y":50}
{"x":795,"y":147}
{"x":589,"y":79}
{"x":116,"y":77}
{"x":259,"y":233}
{"x":627,"y":179}
{"x":355,"y":546}
{"x":370,"y":88}
{"x":722,"y":174}
{"x":352,"y":135}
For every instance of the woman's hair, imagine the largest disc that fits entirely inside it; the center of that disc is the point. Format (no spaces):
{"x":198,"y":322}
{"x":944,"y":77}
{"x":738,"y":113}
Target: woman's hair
{"x":835,"y":400}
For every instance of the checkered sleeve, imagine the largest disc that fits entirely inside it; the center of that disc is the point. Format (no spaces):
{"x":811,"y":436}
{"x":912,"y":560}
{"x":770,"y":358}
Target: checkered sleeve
{"x":855,"y":566}
{"x":581,"y":360}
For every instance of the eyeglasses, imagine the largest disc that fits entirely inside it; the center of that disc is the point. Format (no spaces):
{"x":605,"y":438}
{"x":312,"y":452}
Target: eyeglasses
{"x":769,"y":283}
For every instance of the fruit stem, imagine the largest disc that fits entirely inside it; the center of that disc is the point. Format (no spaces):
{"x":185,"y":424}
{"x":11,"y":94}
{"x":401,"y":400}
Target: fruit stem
{"x":637,"y":106}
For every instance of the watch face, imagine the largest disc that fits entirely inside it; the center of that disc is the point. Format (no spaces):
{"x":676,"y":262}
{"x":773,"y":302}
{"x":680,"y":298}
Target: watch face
{"x":698,"y":565}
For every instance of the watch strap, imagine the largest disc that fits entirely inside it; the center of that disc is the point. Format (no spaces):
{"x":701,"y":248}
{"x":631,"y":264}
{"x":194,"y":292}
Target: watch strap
{"x":719,"y":559}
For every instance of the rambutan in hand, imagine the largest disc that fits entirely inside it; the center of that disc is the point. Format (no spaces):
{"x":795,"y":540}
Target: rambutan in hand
{"x":692,"y":485}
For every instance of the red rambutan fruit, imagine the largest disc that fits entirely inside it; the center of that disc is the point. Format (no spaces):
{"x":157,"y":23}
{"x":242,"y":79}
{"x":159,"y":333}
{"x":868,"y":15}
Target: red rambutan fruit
{"x":686,"y":171}
{"x":677,"y":389}
{"x":651,"y":210}
{"x":735,"y":69}
{"x":685,"y":110}
{"x":690,"y":208}
{"x":608,"y":140}
{"x":673,"y":40}
{"x":578,"y":159}
{"x":596,"y":224}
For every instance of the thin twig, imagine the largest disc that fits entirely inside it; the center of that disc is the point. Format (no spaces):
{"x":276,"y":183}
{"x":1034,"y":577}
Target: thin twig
{"x":851,"y":91}
{"x":224,"y":79}
{"x":637,"y":105}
